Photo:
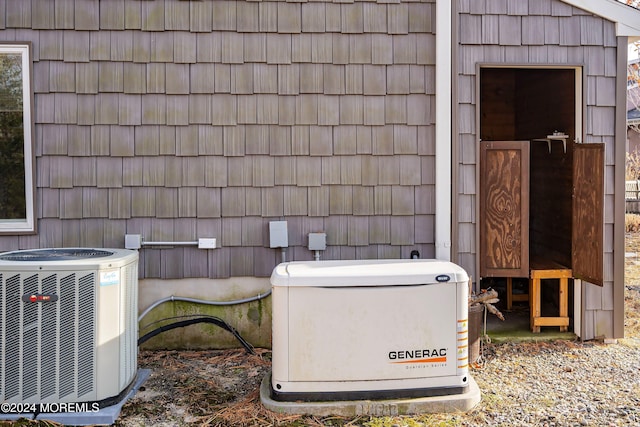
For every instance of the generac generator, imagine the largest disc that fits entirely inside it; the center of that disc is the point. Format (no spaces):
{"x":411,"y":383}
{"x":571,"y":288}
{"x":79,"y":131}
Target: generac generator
{"x":369,"y":329}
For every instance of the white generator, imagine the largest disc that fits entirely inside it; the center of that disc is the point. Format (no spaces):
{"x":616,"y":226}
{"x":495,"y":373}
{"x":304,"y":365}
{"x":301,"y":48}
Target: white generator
{"x":369,"y":329}
{"x":68,"y":325}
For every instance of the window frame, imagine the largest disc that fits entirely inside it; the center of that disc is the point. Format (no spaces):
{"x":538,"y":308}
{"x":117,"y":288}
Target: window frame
{"x":24,"y":225}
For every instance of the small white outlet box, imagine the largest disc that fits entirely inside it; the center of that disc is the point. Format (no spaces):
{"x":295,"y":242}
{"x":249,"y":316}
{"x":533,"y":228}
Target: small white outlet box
{"x":278,"y":236}
{"x":317,"y":241}
{"x":207,"y":243}
{"x":132,"y":241}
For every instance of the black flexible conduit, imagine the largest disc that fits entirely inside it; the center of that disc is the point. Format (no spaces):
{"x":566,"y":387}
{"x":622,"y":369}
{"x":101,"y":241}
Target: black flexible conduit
{"x":192,"y":321}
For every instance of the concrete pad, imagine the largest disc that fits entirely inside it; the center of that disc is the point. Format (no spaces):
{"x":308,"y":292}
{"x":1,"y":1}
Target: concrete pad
{"x":353,"y":408}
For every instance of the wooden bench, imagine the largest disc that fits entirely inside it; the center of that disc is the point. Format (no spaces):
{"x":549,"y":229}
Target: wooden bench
{"x":545,"y":269}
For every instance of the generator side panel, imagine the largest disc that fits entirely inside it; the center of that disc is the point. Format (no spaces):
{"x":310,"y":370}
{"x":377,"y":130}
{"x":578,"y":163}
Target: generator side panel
{"x":462,"y":329}
{"x":280,"y":336}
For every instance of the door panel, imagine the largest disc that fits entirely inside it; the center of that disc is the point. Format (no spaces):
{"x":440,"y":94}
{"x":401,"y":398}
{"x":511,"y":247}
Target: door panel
{"x":588,"y":213}
{"x":504,"y":209}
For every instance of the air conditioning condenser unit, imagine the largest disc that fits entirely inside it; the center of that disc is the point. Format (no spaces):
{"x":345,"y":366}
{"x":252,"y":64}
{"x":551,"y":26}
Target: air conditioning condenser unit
{"x":68,"y":325}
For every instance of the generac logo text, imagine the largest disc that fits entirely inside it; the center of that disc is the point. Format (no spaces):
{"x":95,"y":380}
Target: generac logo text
{"x":419,"y":356}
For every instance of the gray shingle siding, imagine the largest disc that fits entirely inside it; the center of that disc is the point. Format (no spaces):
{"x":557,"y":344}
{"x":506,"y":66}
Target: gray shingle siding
{"x":180,"y":120}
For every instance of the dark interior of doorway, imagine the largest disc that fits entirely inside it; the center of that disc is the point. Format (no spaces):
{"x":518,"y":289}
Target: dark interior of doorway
{"x":528,"y":104}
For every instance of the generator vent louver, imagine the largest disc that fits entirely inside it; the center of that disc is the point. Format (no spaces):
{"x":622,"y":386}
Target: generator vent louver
{"x":68,"y":329}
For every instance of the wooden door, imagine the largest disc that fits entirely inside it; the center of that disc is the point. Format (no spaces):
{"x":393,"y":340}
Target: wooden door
{"x":587,"y":245}
{"x":504,"y":209}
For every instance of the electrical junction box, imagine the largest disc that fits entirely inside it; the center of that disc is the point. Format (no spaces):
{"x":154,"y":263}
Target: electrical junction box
{"x":207,"y":243}
{"x":278,"y":236}
{"x":369,"y":329}
{"x":317,"y":241}
{"x":132,"y":241}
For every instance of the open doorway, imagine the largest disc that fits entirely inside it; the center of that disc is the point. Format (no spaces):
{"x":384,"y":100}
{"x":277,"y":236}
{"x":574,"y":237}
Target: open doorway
{"x":540,"y":192}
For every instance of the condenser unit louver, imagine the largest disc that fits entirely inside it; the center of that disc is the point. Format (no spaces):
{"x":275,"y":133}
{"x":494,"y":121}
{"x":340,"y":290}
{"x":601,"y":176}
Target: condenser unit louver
{"x":68,"y":325}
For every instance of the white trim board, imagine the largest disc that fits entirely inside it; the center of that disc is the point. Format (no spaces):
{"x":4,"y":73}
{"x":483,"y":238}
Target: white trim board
{"x":627,"y":18}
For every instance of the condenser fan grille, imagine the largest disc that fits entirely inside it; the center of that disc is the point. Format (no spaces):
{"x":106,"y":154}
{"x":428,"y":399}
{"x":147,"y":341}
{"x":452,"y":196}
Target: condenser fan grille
{"x":55,"y":255}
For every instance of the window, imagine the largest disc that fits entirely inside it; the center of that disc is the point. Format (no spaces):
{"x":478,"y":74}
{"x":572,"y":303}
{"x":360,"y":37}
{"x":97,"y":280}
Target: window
{"x":16,"y":146}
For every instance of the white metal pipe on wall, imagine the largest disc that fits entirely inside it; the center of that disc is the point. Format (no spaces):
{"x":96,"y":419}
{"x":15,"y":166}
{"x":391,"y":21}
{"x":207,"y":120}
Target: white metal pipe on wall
{"x":201,"y":301}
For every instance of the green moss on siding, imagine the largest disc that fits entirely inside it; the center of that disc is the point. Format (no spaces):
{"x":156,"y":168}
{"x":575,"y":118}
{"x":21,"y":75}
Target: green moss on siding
{"x":251,"y":320}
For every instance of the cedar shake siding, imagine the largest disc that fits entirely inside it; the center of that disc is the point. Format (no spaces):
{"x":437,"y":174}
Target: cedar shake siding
{"x":547,"y":32}
{"x":184,"y":119}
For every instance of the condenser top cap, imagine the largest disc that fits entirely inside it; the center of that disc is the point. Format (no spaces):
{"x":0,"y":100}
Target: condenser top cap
{"x":66,"y":258}
{"x":65,"y":254}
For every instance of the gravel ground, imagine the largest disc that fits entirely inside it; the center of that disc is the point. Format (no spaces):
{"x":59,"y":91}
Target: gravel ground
{"x":560,"y":383}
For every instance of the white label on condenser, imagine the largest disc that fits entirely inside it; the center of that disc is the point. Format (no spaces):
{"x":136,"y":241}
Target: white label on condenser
{"x":108,"y":278}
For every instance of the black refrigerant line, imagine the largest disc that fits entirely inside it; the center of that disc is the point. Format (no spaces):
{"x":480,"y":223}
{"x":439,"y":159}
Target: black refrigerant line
{"x":194,"y":320}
